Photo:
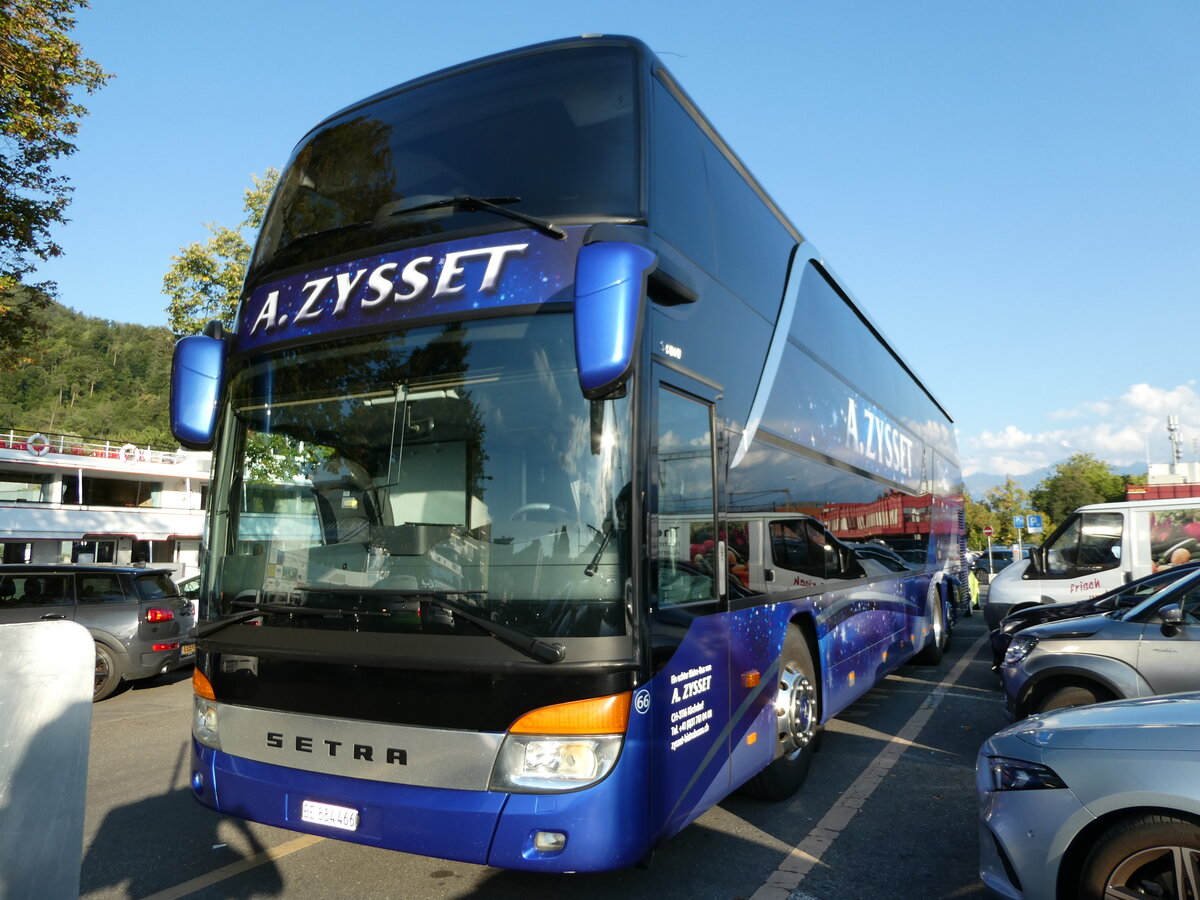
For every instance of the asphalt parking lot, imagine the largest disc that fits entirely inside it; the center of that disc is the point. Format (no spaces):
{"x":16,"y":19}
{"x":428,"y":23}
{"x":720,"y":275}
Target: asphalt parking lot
{"x":888,"y":812}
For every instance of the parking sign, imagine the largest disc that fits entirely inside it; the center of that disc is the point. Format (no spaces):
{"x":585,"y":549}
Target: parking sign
{"x":1033,"y":523}
{"x":1018,"y":522}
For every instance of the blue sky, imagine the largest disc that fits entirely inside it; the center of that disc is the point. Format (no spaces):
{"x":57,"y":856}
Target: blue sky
{"x":1009,"y":189}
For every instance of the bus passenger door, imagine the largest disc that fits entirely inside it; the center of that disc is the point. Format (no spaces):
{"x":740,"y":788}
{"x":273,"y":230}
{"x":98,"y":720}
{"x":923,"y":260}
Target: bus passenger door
{"x":689,"y":632}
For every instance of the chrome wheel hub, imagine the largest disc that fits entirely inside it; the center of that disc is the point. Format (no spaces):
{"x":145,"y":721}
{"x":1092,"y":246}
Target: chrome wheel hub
{"x":1166,"y":872}
{"x":795,"y":711}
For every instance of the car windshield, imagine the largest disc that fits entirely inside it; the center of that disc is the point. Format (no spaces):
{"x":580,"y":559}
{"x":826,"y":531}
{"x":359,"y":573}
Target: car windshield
{"x":155,"y":586}
{"x":516,"y":133}
{"x":365,"y":482}
{"x":1144,"y":604}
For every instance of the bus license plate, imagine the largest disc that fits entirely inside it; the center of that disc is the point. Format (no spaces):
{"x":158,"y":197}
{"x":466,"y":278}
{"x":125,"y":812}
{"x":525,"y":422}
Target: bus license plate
{"x":328,"y":814}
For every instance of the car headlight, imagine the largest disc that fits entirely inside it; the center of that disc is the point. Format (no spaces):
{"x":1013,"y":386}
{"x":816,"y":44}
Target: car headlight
{"x":1022,"y":645}
{"x":204,"y":722}
{"x":1018,"y":775}
{"x":541,"y":763}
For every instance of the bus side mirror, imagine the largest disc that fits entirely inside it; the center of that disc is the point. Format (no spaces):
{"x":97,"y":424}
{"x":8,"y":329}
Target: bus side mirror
{"x":197,"y":382}
{"x":610,"y":294}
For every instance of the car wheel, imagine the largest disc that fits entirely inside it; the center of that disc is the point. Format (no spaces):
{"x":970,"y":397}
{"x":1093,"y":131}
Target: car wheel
{"x":797,"y":712}
{"x":1150,"y":856}
{"x":108,"y":673}
{"x":1072,"y":695}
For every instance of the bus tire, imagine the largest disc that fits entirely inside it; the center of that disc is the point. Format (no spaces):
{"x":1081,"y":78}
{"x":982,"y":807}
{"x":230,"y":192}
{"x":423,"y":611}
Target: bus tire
{"x":108,"y":673}
{"x":931,"y":653}
{"x":797,"y":718}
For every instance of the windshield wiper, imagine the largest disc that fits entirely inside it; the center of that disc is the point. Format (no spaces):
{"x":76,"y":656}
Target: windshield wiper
{"x":314,"y":238}
{"x":518,"y":639}
{"x":469,"y":203}
{"x":605,"y":537}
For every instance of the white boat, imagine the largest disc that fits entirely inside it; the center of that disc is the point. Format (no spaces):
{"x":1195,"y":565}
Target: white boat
{"x":72,"y":499}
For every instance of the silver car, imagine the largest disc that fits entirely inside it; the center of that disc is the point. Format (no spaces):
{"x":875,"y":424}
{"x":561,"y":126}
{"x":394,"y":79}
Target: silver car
{"x":1097,"y":802}
{"x":1153,"y":648}
{"x":140,"y":624}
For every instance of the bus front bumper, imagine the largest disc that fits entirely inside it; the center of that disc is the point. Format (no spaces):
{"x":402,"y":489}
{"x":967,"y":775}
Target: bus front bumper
{"x":483,"y":827}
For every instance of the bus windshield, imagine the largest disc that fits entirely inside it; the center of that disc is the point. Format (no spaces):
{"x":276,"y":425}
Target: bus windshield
{"x":367,"y":481}
{"x":516,"y":133}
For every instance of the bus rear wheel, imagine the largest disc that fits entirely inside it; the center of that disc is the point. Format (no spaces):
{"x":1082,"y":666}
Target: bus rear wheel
{"x":932,"y":652}
{"x":797,"y":714}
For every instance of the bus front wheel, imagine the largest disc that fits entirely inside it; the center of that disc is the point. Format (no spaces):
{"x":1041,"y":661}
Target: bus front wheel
{"x":797,"y":714}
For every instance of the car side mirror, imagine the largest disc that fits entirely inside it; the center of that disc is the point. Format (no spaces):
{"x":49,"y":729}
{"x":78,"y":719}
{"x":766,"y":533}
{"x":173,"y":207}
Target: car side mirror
{"x":1172,"y":618}
{"x":1037,"y":561}
{"x":850,"y":566}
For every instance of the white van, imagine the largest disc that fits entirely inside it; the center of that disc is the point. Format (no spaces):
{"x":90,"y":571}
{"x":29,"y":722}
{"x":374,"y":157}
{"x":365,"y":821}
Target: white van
{"x":1098,"y":548}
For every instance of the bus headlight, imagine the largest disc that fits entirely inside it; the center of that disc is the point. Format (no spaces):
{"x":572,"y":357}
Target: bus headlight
{"x":530,"y":764}
{"x":204,"y":722}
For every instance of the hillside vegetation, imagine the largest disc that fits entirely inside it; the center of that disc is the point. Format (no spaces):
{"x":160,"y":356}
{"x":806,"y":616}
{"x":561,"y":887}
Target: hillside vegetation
{"x":94,"y":378}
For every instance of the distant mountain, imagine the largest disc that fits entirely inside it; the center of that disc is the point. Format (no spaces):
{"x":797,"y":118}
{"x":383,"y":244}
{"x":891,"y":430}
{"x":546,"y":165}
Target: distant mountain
{"x":981,"y":482}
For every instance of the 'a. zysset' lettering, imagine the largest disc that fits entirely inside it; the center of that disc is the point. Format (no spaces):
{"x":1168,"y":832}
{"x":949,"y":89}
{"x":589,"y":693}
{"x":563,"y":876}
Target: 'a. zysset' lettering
{"x":418,"y":279}
{"x":880,"y":440}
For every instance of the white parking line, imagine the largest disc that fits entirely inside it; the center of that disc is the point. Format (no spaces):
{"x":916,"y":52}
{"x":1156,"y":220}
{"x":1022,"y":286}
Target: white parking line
{"x":807,"y":854}
{"x":242,"y":865}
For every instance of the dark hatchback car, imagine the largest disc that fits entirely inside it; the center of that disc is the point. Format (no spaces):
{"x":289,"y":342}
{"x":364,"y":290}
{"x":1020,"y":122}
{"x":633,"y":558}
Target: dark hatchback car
{"x":993,"y":562}
{"x":142,"y":626}
{"x":1124,"y":597}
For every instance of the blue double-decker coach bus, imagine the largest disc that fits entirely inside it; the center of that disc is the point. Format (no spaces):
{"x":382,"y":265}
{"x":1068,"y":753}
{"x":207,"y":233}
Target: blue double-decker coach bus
{"x":552,"y":469}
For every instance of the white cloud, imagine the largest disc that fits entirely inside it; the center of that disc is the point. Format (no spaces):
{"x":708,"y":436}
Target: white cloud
{"x":1122,"y":431}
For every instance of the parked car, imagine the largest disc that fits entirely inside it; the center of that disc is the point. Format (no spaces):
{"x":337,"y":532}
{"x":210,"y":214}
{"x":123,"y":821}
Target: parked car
{"x":991,"y":562}
{"x":141,"y":625}
{"x":1124,"y":597}
{"x":884,"y":556}
{"x":1153,"y":648}
{"x":1093,"y":803}
{"x":914,"y":558}
{"x":190,"y":588}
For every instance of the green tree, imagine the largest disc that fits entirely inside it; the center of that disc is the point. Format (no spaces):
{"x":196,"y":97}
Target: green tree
{"x":92,"y":377}
{"x":1004,"y":503}
{"x":204,"y":281}
{"x":978,"y":517}
{"x":1080,"y":480}
{"x":42,"y":72}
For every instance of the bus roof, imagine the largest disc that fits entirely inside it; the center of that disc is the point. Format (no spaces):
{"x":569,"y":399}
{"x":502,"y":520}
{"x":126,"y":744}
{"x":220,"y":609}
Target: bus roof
{"x":660,"y":71}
